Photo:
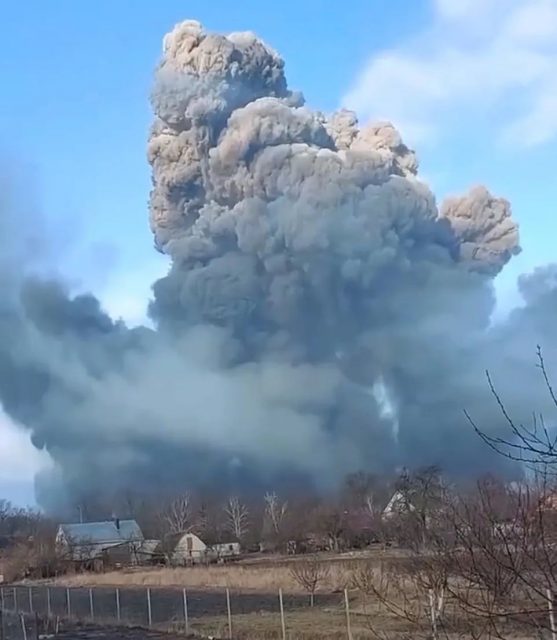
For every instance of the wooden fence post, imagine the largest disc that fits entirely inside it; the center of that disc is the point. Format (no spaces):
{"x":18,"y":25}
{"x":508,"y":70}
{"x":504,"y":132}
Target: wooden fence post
{"x":282,"y":622}
{"x":15,"y":599}
{"x":149,"y":612}
{"x":48,"y":605}
{"x":30,"y":599}
{"x":347,"y":604}
{"x":68,"y":603}
{"x":91,"y":606}
{"x":23,"y":628}
{"x":229,"y":613}
{"x":118,"y":618}
{"x":186,"y":620}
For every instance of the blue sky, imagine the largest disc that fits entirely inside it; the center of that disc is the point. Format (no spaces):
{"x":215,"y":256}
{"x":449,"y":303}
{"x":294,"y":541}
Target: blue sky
{"x":472,"y":84}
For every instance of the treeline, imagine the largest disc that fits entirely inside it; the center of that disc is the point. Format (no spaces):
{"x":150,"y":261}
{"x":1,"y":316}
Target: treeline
{"x":297,"y":522}
{"x":349,"y":517}
{"x":366,"y":509}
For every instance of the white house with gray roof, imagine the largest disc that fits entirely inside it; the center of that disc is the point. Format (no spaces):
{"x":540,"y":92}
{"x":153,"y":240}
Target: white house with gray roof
{"x":91,"y":540}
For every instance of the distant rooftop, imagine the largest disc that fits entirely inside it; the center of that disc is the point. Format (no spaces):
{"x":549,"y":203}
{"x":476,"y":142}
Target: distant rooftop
{"x":109,"y":532}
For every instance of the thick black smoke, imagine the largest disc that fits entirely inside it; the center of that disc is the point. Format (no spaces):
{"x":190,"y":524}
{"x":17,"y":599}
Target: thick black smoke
{"x":321,"y":314}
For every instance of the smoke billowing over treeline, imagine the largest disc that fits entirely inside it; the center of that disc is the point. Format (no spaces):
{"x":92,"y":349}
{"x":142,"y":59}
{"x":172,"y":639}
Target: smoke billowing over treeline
{"x":321,"y":314}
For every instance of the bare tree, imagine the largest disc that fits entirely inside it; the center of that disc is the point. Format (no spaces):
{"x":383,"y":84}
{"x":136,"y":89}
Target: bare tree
{"x":513,"y":558}
{"x":178,"y":515}
{"x":275,"y":511}
{"x":309,"y":574}
{"x":330,"y":521}
{"x":6,"y":509}
{"x":534,"y":445}
{"x":238,"y":517}
{"x":366,"y":492}
{"x":371,"y":505}
{"x":414,"y":595}
{"x":507,"y":558}
{"x":416,"y":510}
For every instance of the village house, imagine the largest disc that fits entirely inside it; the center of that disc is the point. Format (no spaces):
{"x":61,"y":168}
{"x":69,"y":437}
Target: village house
{"x":398,"y":505}
{"x":95,"y":545}
{"x":185,"y":548}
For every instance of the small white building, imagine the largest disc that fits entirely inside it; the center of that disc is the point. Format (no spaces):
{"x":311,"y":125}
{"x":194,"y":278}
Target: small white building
{"x":187,"y":548}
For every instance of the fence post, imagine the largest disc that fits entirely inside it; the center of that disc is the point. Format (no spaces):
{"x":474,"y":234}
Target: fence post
{"x":186,"y":621}
{"x":68,"y":603}
{"x":48,"y":606}
{"x":2,"y":598}
{"x":282,"y":622}
{"x":91,"y":607}
{"x":229,"y":614}
{"x":15,"y":599}
{"x":149,"y":612}
{"x":117,"y":604}
{"x":347,"y":603}
{"x":23,"y":626}
{"x":2,"y":622}
{"x":30,"y":599}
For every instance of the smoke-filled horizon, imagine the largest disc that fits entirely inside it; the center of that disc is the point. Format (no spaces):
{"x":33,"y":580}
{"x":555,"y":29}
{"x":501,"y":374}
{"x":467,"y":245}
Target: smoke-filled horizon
{"x":322,"y":314}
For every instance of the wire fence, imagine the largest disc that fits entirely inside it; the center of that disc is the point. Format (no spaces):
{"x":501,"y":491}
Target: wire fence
{"x":27,"y":610}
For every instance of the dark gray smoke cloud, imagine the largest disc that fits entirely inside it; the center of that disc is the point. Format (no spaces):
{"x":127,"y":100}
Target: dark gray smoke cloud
{"x":321,"y":313}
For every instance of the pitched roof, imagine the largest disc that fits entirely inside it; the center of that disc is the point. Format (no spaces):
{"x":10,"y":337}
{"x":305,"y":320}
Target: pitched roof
{"x":171,"y":541}
{"x":400,"y":502}
{"x":102,"y":532}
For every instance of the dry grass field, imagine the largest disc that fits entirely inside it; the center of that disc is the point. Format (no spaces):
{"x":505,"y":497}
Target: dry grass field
{"x":254,"y":587}
{"x":268,"y":574}
{"x":241,"y":578}
{"x":322,"y":624}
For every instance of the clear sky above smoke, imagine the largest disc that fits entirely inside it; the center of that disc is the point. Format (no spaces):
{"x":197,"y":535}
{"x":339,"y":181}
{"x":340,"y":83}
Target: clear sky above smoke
{"x":76,"y":80}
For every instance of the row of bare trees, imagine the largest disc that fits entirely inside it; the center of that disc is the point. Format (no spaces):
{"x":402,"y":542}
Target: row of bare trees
{"x":483,"y":564}
{"x":271,"y":518}
{"x":26,"y":542}
{"x":180,"y":515}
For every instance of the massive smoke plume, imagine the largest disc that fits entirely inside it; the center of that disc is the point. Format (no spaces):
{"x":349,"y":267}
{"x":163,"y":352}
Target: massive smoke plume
{"x":321,"y":313}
